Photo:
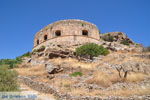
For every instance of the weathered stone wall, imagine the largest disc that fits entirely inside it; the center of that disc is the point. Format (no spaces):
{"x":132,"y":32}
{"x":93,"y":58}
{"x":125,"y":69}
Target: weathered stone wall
{"x":71,"y":31}
{"x":68,"y":40}
{"x":46,"y":88}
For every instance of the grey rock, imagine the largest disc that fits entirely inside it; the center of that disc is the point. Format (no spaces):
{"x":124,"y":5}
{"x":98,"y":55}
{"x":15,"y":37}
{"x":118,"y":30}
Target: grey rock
{"x":52,"y":69}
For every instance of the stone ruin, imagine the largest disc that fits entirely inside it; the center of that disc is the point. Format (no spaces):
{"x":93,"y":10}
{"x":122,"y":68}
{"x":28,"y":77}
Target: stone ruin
{"x":67,"y":32}
{"x":61,"y":38}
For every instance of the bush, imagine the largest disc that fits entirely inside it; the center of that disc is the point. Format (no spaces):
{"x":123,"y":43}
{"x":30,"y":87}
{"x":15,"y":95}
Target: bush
{"x":108,"y":38}
{"x":42,"y":48}
{"x":11,"y":63}
{"x":76,"y":74}
{"x":35,"y":50}
{"x":28,"y":54}
{"x":92,"y":50}
{"x":125,"y":42}
{"x":8,"y":79}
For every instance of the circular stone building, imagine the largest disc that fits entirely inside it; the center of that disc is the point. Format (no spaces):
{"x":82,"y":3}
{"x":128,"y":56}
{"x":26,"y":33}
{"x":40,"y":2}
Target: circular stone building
{"x":67,"y":32}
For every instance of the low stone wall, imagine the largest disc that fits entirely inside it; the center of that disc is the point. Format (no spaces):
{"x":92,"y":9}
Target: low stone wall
{"x":46,"y":88}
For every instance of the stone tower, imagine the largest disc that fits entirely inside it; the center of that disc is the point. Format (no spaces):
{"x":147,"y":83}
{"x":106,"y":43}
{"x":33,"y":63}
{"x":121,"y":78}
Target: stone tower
{"x":67,"y":32}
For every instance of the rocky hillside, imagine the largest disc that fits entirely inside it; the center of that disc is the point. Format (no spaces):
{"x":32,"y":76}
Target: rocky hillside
{"x":123,"y":74}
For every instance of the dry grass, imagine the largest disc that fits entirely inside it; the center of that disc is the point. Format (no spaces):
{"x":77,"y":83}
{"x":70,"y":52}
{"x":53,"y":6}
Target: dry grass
{"x":103,"y":79}
{"x":34,"y":71}
{"x":64,"y":82}
{"x":99,"y":77}
{"x":64,"y":85}
{"x":74,"y":63}
{"x":113,"y":59}
{"x":127,"y":92}
{"x":135,"y":77}
{"x":121,"y":92}
{"x":82,"y":91}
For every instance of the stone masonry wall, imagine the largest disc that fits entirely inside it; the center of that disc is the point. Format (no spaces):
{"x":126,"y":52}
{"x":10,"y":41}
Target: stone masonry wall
{"x":71,"y":31}
{"x":68,"y":40}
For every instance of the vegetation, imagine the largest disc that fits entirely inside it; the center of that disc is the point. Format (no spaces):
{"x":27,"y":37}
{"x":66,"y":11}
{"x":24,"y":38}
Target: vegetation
{"x":103,"y":79}
{"x":76,"y":74}
{"x":82,"y":24}
{"x":42,"y":48}
{"x":8,"y":79}
{"x":125,"y":42}
{"x":11,"y":63}
{"x":28,"y":54}
{"x":108,"y":38}
{"x":35,"y":50}
{"x":92,"y":50}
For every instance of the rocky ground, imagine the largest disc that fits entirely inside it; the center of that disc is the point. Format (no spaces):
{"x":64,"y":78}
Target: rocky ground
{"x":119,"y":74}
{"x":124,"y":74}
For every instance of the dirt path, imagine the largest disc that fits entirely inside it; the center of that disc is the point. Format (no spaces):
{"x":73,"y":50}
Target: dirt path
{"x":25,"y":90}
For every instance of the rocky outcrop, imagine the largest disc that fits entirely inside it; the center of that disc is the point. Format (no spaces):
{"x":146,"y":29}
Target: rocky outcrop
{"x":118,"y":41}
{"x":116,"y":36}
{"x":57,"y":52}
{"x":52,"y":69}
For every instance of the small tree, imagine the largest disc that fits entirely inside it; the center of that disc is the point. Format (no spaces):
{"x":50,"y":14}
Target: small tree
{"x":108,"y":38}
{"x":125,"y":42}
{"x":92,"y":50}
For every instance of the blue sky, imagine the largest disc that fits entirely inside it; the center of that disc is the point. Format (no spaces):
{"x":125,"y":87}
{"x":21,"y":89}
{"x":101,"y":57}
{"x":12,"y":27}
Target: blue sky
{"x":21,"y":19}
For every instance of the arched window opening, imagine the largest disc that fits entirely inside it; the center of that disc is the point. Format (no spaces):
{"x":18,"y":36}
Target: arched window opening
{"x":85,"y":32}
{"x":45,"y":37}
{"x":37,"y":42}
{"x":58,"y":33}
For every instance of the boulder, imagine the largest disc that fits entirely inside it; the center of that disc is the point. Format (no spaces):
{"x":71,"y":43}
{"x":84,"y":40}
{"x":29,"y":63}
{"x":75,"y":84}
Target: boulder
{"x":52,"y":69}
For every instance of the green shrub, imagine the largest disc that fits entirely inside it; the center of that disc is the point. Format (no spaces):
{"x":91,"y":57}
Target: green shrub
{"x":42,"y":48}
{"x":92,"y":50}
{"x":75,"y":74}
{"x":125,"y":42}
{"x":11,"y":63}
{"x":35,"y":50}
{"x":8,"y":79}
{"x":28,"y":54}
{"x":108,"y":38}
